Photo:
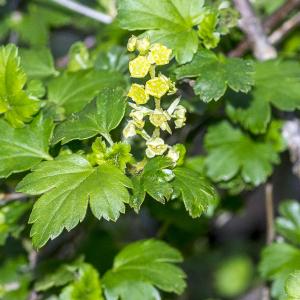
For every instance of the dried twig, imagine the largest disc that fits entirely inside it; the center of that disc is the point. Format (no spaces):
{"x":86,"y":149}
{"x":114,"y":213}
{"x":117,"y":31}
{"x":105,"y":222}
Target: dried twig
{"x":270,"y":23}
{"x":4,"y":198}
{"x":252,"y":26}
{"x":277,"y":36}
{"x":85,"y":10}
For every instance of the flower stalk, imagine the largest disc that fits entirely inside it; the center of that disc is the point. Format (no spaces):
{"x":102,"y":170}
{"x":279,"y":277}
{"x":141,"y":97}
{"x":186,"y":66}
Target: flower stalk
{"x":149,"y":57}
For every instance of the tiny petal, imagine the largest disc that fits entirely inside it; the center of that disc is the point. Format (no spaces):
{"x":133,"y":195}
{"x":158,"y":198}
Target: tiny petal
{"x":179,"y":112}
{"x":139,"y":67}
{"x":160,"y":54}
{"x":138,"y":94}
{"x":143,"y":45}
{"x":157,"y":87}
{"x":129,"y":130}
{"x":131,"y":45}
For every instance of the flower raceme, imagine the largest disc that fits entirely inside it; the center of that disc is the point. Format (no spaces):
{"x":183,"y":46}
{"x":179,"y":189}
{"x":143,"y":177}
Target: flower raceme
{"x":156,"y":87}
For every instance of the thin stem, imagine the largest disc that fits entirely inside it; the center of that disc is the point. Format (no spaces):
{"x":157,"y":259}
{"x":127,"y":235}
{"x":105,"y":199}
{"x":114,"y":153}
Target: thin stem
{"x":157,"y":103}
{"x":86,"y":11}
{"x":108,"y":138}
{"x":283,"y":30}
{"x":269,"y":213}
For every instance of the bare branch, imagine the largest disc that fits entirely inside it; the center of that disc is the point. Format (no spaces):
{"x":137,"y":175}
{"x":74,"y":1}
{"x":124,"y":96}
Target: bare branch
{"x":84,"y":10}
{"x":269,"y":212}
{"x":270,"y":23}
{"x":252,"y":26}
{"x":12,"y":197}
{"x":277,"y":36}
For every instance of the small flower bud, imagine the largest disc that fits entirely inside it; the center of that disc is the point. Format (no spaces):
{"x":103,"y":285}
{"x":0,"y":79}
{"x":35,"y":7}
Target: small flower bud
{"x":131,"y":45}
{"x":129,"y":130}
{"x":177,"y":154}
{"x":157,"y":87}
{"x":137,"y":94}
{"x":173,"y":155}
{"x":139,"y":67}
{"x":160,"y":54}
{"x":143,"y":45}
{"x":155,"y":146}
{"x":179,"y":115}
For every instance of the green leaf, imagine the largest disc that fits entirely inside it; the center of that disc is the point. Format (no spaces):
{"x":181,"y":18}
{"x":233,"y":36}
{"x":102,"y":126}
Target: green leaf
{"x":9,"y":217}
{"x":118,"y":154}
{"x":230,"y":152}
{"x":62,"y":276}
{"x":276,"y":83}
{"x":196,"y":193}
{"x":115,"y":59}
{"x":70,"y":184}
{"x":79,"y":57}
{"x":253,"y":114}
{"x":74,"y":91}
{"x":35,"y":88}
{"x":14,"y":279}
{"x":38,"y":63}
{"x":214,"y":75}
{"x":293,"y":285}
{"x":207,"y":29}
{"x":35,"y":25}
{"x":143,"y":264}
{"x":288,"y":224}
{"x":278,"y":261}
{"x":23,"y":148}
{"x":98,"y":117}
{"x":16,"y":105}
{"x":87,"y":286}
{"x":170,"y":22}
{"x":154,"y":180}
{"x":132,"y":290}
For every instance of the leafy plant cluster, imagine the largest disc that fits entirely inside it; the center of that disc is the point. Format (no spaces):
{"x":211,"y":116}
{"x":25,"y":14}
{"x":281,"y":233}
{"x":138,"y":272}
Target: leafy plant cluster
{"x":82,"y":140}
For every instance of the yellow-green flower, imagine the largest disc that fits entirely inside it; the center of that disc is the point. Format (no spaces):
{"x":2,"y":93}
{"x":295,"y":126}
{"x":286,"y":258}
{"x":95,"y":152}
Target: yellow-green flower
{"x":160,"y":54}
{"x":138,"y":118}
{"x":139,"y":67}
{"x":171,"y":84}
{"x":159,"y":118}
{"x":157,"y":87}
{"x":155,"y":146}
{"x":131,"y":45}
{"x":143,"y":45}
{"x":138,"y":94}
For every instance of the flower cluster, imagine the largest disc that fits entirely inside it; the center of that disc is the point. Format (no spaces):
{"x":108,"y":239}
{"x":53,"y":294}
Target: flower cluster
{"x":157,"y":86}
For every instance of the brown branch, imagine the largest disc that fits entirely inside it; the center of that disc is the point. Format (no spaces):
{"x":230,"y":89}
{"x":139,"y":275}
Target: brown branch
{"x":12,"y":197}
{"x":252,"y":26}
{"x":277,"y":36}
{"x":270,"y":23}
